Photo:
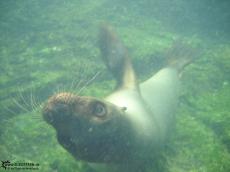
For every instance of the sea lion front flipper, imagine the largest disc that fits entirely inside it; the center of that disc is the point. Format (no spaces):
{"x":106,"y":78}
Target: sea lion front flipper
{"x":116,"y":58}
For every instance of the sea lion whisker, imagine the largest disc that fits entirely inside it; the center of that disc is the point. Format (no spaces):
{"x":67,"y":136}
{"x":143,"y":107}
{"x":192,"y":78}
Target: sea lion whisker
{"x":62,"y":88}
{"x":11,"y":111}
{"x":23,"y":98}
{"x":26,"y":103}
{"x":76,"y":82}
{"x":40,"y":105}
{"x":72,"y":84}
{"x":33,"y":101}
{"x":77,"y":87}
{"x":38,"y":118}
{"x":36,"y":113}
{"x":65,"y":88}
{"x":57,"y":89}
{"x":81,"y":71}
{"x":40,"y":122}
{"x":81,"y":78}
{"x":36,"y":105}
{"x":5,"y":121}
{"x":89,"y":81}
{"x":19,"y":105}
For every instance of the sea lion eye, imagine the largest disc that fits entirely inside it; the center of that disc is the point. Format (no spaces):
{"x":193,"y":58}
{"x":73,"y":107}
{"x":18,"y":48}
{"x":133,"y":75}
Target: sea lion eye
{"x":99,"y":110}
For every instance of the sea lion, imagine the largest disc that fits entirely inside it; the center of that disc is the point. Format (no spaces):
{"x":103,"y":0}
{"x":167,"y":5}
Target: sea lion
{"x":127,"y":127}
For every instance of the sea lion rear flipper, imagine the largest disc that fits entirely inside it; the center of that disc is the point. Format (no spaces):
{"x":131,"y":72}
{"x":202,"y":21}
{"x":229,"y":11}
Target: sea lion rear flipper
{"x":181,"y":54}
{"x":116,"y":58}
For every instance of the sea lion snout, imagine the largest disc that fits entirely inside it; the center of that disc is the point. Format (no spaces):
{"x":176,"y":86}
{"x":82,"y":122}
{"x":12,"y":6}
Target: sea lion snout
{"x":58,"y":107}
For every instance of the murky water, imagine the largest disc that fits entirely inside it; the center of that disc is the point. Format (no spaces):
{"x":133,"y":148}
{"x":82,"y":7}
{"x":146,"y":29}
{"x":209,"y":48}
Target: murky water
{"x":52,"y":46}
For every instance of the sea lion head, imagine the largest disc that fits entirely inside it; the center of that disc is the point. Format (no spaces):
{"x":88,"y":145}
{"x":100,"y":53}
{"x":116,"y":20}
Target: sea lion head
{"x":90,"y":129}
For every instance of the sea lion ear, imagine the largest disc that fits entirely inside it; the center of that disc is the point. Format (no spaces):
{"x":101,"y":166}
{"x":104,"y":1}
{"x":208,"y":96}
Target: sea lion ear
{"x":116,"y":58}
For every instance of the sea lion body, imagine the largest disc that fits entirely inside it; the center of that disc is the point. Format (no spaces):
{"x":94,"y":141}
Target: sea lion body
{"x":156,"y":105}
{"x":128,"y":127}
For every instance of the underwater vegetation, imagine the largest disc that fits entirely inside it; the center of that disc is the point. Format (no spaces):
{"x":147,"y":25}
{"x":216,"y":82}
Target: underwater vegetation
{"x":51,"y":46}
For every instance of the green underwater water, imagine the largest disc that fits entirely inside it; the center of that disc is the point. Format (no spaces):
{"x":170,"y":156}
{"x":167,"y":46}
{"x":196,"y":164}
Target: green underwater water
{"x":48,"y":46}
